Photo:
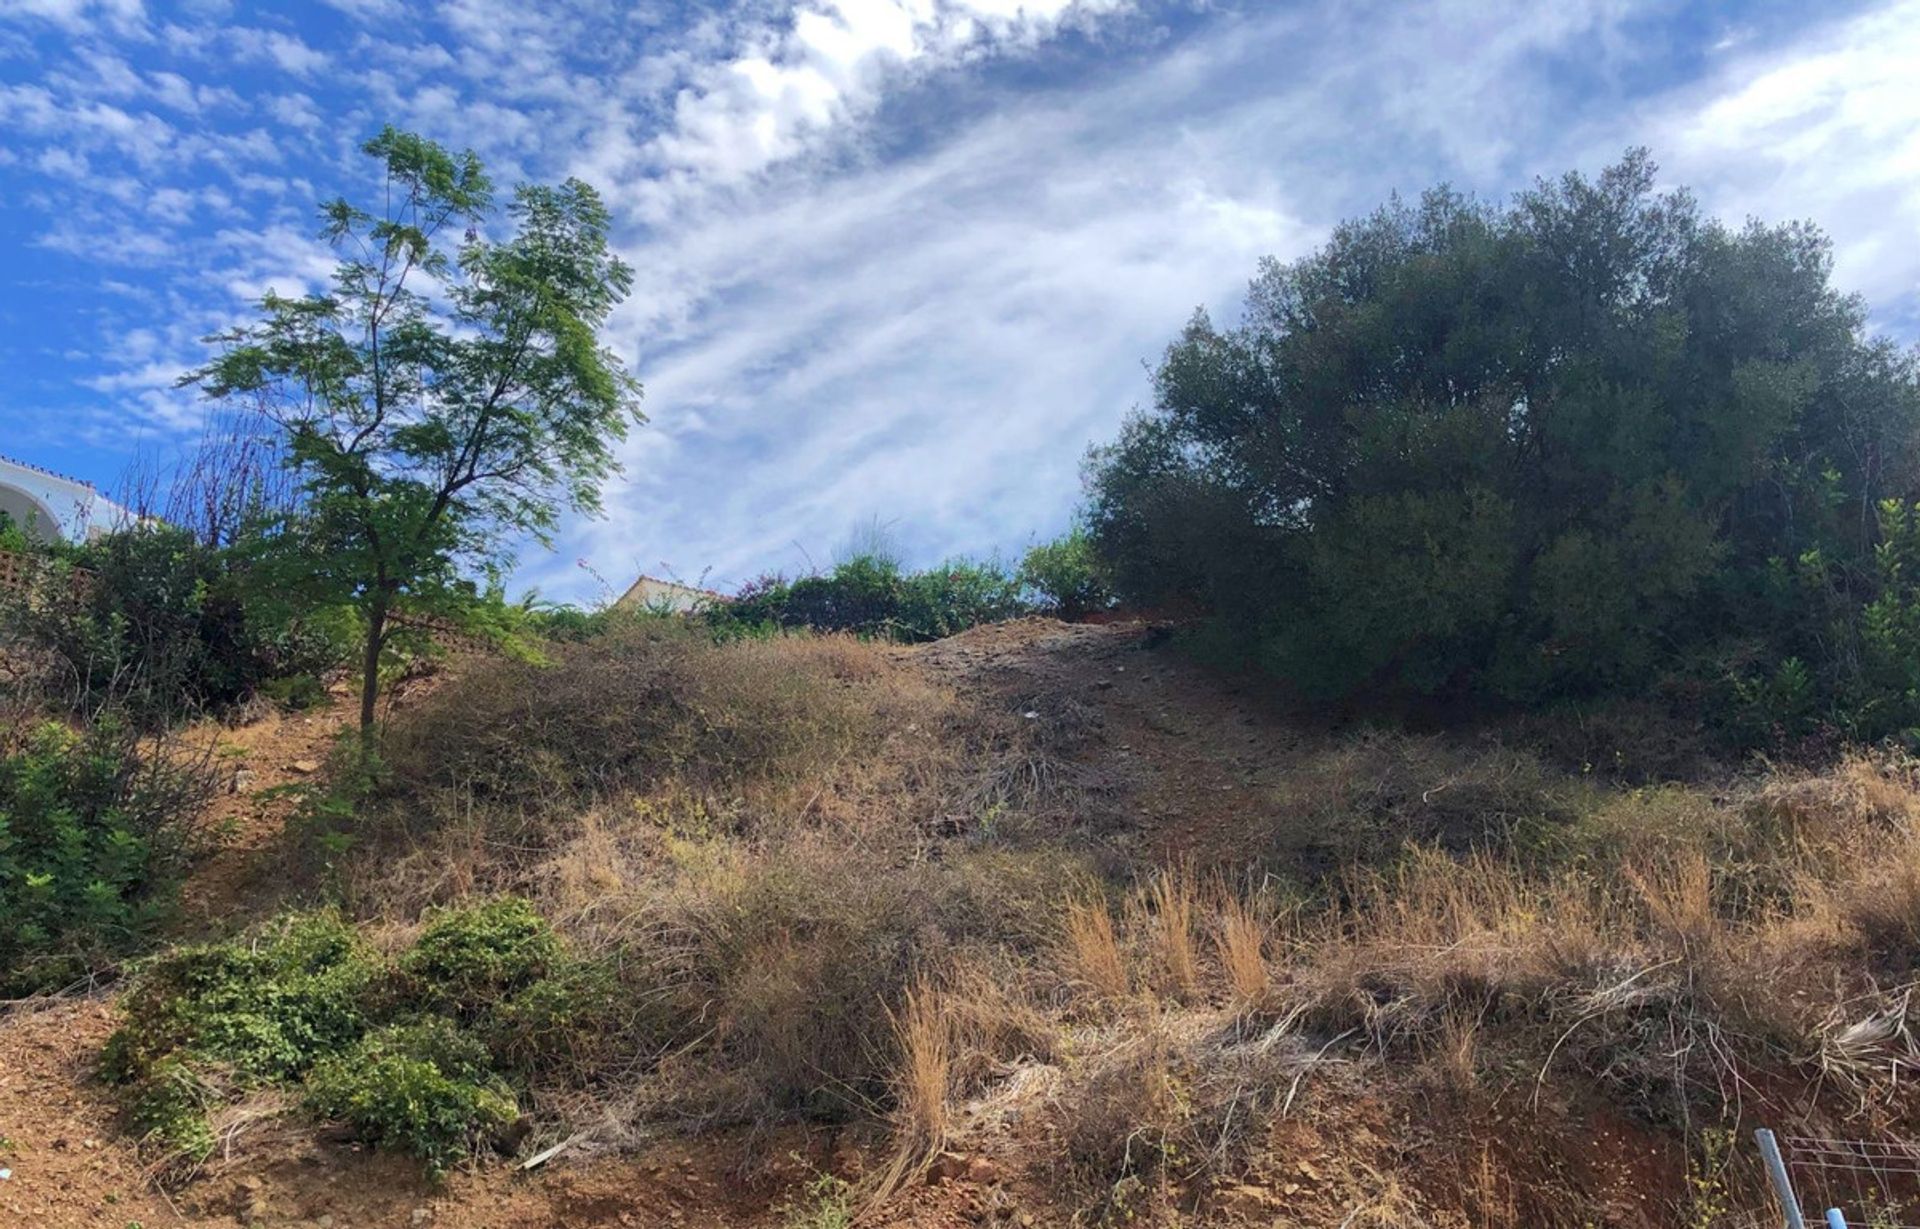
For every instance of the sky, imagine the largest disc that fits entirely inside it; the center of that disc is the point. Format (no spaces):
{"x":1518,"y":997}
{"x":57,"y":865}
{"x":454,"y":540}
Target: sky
{"x":899,"y":262}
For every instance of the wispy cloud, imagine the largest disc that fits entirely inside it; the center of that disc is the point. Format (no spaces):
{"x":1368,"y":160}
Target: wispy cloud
{"x":897,"y":258}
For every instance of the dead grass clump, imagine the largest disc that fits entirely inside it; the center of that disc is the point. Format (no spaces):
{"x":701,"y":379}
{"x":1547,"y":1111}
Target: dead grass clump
{"x":1360,"y":800}
{"x":794,"y":967}
{"x":1091,"y":949}
{"x":1123,"y":1123}
{"x":1678,"y":894}
{"x":628,"y":710}
{"x":1863,"y":793}
{"x":996,"y":1024}
{"x":1240,"y":944}
{"x":1166,"y":910}
{"x":923,"y":1031}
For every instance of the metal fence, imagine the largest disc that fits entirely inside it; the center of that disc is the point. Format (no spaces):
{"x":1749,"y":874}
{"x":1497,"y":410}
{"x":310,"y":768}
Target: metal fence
{"x":1827,"y":1183}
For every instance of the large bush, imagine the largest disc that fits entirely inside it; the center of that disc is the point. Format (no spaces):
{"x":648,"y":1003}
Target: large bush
{"x":1066,"y":576}
{"x":157,"y":624}
{"x":1569,"y":445}
{"x":91,"y":845}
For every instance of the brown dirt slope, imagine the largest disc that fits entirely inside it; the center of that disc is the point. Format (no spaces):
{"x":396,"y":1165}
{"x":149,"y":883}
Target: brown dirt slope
{"x":1169,"y":764}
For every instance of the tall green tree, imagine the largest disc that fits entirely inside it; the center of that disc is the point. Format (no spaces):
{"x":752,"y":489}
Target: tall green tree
{"x":1561,"y":445}
{"x":448,"y":395}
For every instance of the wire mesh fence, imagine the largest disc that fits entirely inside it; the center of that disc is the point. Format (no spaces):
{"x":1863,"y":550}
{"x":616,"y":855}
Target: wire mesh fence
{"x":1831,"y":1183}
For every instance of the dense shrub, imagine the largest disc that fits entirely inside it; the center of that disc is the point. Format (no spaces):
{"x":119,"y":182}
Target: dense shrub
{"x":91,"y":844}
{"x":418,"y":1052}
{"x":870,"y":595}
{"x":1558,"y":448}
{"x":162,"y":628}
{"x":1066,"y":576}
{"x":265,"y":1009}
{"x":469,"y":959}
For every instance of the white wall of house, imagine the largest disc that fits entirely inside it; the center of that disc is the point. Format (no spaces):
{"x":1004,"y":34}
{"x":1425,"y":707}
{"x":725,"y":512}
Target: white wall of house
{"x":52,"y":505}
{"x":651,"y":593}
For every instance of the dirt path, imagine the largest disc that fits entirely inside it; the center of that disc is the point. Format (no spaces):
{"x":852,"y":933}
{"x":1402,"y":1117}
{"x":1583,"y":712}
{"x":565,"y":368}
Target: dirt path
{"x":237,"y":878}
{"x":1171,"y":761}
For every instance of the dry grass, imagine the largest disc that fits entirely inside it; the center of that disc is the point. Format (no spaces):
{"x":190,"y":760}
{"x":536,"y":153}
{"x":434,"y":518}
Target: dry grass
{"x":1240,"y":944}
{"x":1092,"y":951}
{"x":1171,"y":903}
{"x":923,"y":1030}
{"x":797,"y":855}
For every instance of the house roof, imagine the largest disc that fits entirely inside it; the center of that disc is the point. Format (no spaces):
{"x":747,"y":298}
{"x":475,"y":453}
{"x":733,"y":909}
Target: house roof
{"x":691,"y":590}
{"x":51,"y":473}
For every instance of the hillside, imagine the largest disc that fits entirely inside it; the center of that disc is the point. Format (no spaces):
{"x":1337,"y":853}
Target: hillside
{"x":1045,"y":924}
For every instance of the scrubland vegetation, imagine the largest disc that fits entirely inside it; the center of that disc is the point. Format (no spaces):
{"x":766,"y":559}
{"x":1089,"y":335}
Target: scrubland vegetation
{"x":1519,"y":741}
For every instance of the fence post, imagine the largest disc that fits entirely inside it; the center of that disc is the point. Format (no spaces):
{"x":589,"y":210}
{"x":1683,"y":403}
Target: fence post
{"x":1782,"y":1184}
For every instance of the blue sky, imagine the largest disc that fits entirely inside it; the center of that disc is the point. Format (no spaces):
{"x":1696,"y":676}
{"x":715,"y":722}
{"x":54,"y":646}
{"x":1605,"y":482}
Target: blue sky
{"x":899,"y":260}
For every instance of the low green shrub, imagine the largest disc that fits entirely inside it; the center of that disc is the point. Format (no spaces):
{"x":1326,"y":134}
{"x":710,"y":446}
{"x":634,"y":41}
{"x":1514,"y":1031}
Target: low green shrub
{"x":470,"y":959}
{"x":417,"y":1053}
{"x":567,"y":1024}
{"x":296,"y":692}
{"x":92,"y":842}
{"x":424,"y":1087}
{"x":265,"y":1007}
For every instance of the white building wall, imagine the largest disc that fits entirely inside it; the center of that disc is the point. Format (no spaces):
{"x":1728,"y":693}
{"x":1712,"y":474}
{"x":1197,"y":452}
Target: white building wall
{"x":47,"y":503}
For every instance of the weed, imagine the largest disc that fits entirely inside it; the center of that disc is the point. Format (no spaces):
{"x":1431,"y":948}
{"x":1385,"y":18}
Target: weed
{"x":828,"y":1205}
{"x":92,"y":842}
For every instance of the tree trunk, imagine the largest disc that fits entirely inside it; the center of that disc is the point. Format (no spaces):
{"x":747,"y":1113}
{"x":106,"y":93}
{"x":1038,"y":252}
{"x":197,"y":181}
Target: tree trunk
{"x":370,"y":669}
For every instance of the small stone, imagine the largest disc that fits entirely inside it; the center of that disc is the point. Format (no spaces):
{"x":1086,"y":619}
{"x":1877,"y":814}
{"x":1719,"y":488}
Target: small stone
{"x":420,"y":1216}
{"x":243,"y":779}
{"x":946,"y":1167}
{"x":305,"y":766}
{"x":981,"y":1170}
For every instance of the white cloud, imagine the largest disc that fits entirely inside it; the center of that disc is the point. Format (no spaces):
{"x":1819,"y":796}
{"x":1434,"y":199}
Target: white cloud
{"x":936,"y":340}
{"x":284,"y":51}
{"x":1828,"y":129}
{"x":125,"y":16}
{"x":837,"y":318}
{"x":783,"y":88}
